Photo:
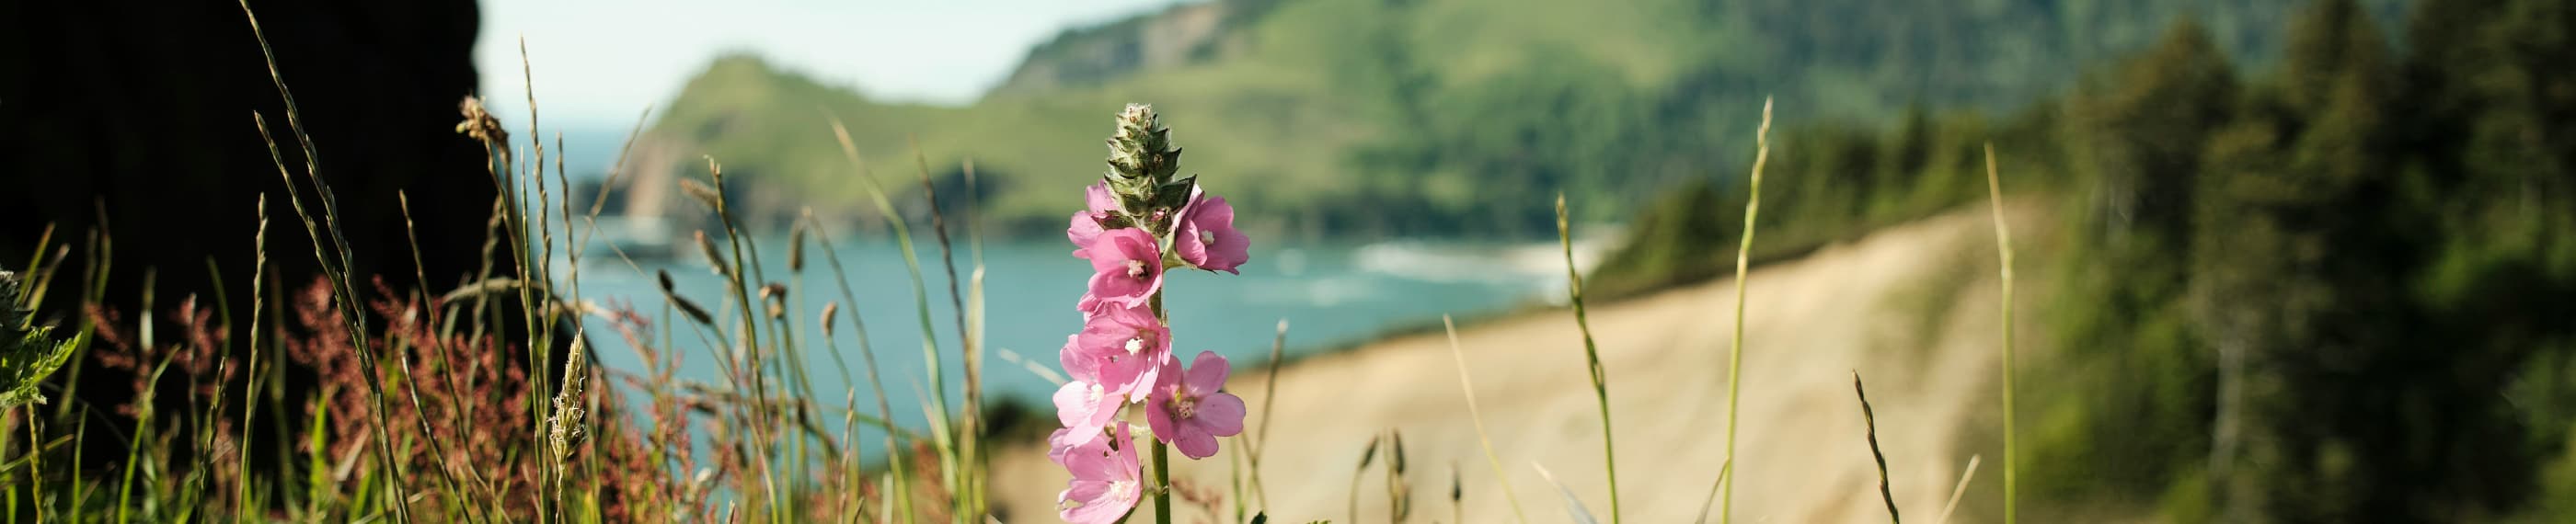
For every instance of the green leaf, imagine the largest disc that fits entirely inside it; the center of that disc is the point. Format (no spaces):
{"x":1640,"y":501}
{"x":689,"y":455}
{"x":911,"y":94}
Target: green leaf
{"x":28,"y":353}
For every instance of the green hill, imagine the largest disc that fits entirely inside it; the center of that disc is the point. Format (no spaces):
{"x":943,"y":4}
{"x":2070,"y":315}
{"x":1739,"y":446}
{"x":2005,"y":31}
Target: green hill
{"x":1442,"y":116}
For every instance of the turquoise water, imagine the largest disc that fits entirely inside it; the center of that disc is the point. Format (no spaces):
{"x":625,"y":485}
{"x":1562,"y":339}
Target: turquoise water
{"x":1329,"y":293}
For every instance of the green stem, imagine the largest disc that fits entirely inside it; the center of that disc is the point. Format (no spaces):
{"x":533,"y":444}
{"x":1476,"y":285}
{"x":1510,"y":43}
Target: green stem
{"x":2003,"y":249}
{"x":1591,"y":356}
{"x":1162,"y":466}
{"x":1162,"y":478}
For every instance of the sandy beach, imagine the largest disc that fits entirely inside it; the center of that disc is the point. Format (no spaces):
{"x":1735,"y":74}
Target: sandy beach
{"x":1911,"y":308}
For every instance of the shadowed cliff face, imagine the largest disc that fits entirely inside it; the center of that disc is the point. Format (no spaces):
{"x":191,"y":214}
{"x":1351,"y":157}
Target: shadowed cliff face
{"x":141,"y":114}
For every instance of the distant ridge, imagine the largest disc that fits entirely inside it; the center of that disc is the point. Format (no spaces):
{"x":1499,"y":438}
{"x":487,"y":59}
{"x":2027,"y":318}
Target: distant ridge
{"x":1388,"y":117}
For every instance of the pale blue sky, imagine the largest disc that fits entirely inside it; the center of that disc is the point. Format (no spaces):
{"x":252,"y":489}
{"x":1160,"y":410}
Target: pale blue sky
{"x":599,"y":62}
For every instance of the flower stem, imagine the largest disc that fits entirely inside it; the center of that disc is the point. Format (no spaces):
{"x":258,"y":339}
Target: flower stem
{"x":1163,"y":477}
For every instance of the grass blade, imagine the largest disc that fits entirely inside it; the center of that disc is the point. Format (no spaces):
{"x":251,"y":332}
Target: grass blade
{"x":1269,"y":393}
{"x":1961,"y":489}
{"x":1468,"y":387}
{"x":1869,"y":419}
{"x":1735,"y":353}
{"x":1591,"y":356}
{"x":1573,"y":505}
{"x":1711,"y":501}
{"x":2003,"y":250}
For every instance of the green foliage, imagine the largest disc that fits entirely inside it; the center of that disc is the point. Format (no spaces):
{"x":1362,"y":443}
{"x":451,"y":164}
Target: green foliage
{"x":2272,"y":339}
{"x":2332,"y":289}
{"x":28,"y":352}
{"x":1835,"y":182}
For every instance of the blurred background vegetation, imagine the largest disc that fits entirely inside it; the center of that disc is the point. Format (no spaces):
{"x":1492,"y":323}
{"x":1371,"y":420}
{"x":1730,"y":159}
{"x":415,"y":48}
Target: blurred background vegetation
{"x":2335,"y":286}
{"x":2316,"y":258}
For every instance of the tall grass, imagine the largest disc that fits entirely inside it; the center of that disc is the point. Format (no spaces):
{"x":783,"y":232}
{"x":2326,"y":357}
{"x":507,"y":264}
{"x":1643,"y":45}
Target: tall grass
{"x":343,"y":289}
{"x":503,"y":414}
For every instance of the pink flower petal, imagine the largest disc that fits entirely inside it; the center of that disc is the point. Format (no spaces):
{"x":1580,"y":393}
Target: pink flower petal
{"x":1082,"y":230}
{"x":1060,"y":443}
{"x":1098,"y":198}
{"x":1206,"y":374}
{"x":1085,"y":408}
{"x":1104,"y":347}
{"x":1150,"y":373}
{"x":1093,"y":503}
{"x":1220,"y":414}
{"x":1158,"y":414}
{"x":1230,"y":249}
{"x":1127,"y":267}
{"x":1077,"y":363}
{"x":1195,"y":443}
{"x":1072,"y":403}
{"x":1090,"y":460}
{"x":1127,"y":452}
{"x":1116,"y":291}
{"x":1106,"y":483}
{"x":1207,"y":238}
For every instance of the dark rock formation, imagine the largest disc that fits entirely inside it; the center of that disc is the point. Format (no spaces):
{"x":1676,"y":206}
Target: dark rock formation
{"x":141,"y":114}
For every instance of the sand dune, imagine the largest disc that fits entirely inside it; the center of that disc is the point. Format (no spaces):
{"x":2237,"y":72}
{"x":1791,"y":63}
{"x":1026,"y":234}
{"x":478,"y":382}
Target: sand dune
{"x":1813,"y":322}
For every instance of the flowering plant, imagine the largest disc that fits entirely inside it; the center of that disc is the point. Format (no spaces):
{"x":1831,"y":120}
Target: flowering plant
{"x":1139,"y":221}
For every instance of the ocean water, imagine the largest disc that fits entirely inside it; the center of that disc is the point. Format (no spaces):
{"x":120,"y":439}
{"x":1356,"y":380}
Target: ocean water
{"x":1330,"y":294}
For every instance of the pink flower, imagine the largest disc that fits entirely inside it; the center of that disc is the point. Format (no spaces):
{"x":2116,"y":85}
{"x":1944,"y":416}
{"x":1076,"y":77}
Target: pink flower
{"x":1127,"y":268}
{"x":1084,"y":228}
{"x":1084,"y":408}
{"x":1188,"y":410}
{"x":1097,"y":197}
{"x":1085,"y":224}
{"x":1060,"y":443}
{"x":1106,"y":480}
{"x":1122,"y":349}
{"x":1207,"y":237}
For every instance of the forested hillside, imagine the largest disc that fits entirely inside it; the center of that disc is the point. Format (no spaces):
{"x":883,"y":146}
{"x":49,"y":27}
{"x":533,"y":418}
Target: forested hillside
{"x":2335,"y":288}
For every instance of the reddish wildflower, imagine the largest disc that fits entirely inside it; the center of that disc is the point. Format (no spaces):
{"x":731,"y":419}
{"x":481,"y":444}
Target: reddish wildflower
{"x":118,"y":350}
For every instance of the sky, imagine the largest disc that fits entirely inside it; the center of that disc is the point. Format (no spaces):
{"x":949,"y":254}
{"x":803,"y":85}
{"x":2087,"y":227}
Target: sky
{"x":598,"y":63}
